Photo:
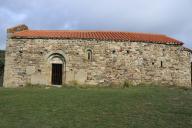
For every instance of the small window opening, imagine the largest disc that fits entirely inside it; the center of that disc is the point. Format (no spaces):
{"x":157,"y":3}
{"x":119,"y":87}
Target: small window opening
{"x":161,"y":64}
{"x":153,"y":63}
{"x":89,"y":55}
{"x":127,"y":51}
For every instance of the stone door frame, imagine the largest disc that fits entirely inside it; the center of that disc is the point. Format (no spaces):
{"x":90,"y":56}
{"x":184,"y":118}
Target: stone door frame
{"x":56,"y":58}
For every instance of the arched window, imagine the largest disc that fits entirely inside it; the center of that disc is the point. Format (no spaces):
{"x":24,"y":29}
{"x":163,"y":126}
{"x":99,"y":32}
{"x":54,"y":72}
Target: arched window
{"x":89,"y":55}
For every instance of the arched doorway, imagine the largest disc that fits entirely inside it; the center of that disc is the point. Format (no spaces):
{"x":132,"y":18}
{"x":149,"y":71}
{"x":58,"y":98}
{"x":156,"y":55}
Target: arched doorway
{"x":57,"y":62}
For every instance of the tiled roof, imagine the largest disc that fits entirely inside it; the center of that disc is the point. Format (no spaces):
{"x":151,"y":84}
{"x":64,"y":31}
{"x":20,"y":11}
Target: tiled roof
{"x":97,"y":35}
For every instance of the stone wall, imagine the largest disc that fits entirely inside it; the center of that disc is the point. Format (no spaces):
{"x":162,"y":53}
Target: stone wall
{"x":27,"y":61}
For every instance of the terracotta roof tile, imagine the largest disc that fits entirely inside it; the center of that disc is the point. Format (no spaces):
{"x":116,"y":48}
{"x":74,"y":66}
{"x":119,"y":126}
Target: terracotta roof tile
{"x":98,"y":35}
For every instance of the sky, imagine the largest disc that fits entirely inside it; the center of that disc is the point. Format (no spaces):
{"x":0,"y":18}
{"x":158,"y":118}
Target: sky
{"x":170,"y":17}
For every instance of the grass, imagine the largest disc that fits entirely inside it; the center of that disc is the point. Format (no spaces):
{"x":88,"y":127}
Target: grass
{"x":134,"y":107}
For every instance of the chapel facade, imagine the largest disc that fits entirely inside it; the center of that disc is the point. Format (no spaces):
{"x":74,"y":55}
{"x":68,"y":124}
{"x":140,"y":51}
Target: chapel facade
{"x":58,"y":57}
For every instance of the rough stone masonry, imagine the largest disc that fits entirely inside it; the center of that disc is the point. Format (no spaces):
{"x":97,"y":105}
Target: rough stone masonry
{"x":51,"y":57}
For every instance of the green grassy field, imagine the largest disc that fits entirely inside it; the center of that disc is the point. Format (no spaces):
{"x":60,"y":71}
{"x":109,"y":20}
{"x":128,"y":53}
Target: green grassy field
{"x":135,"y":107}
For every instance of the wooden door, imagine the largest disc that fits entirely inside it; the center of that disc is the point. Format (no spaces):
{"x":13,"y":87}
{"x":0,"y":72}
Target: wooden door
{"x":57,"y":74}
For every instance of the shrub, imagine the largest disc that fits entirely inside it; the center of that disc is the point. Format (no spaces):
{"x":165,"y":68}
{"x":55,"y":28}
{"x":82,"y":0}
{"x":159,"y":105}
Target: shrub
{"x":2,"y":63}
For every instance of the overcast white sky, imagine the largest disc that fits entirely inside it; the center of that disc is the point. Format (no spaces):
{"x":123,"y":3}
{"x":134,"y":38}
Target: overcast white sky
{"x":170,"y":17}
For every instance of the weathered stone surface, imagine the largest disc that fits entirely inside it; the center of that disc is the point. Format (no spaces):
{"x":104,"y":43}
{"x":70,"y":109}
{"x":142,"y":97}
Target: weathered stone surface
{"x":30,"y":61}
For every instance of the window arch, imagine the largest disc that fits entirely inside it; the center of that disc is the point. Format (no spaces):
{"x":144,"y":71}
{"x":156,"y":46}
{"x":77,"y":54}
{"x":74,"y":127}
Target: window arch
{"x":89,"y":54}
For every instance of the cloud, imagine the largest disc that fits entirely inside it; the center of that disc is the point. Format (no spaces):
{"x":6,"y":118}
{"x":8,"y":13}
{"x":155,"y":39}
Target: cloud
{"x":13,"y":17}
{"x":170,"y":17}
{"x":8,"y":18}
